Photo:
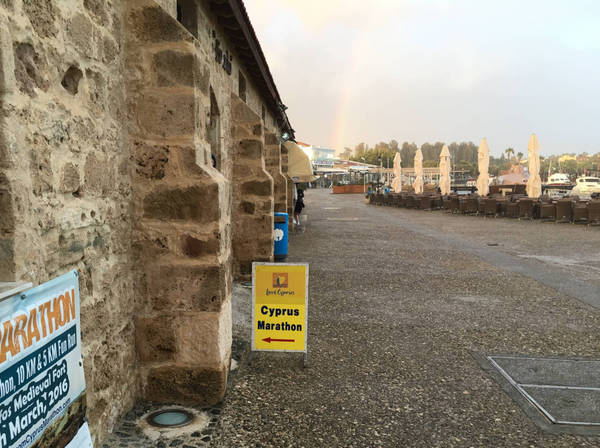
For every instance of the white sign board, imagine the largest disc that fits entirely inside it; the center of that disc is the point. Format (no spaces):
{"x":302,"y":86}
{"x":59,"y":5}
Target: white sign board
{"x":41,"y":372}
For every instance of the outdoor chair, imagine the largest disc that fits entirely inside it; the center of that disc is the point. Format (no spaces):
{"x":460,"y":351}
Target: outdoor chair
{"x":526,"y":207}
{"x":594,"y":212}
{"x":490,"y":206}
{"x":501,"y":205}
{"x":564,"y":210}
{"x":395,"y":200}
{"x":411,"y":201}
{"x":580,"y":212}
{"x":402,"y":200}
{"x":446,"y":203}
{"x":480,"y":205}
{"x":512,"y":209}
{"x":437,"y":202}
{"x":454,"y":204}
{"x":548,"y":211}
{"x":468,"y":204}
{"x":426,"y":202}
{"x":387,"y":199}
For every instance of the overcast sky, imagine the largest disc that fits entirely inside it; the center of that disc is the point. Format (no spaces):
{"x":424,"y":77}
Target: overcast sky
{"x":454,"y":70}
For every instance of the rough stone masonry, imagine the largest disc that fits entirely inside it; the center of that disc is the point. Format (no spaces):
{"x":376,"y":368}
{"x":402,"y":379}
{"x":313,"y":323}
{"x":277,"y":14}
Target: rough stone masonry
{"x":132,"y":147}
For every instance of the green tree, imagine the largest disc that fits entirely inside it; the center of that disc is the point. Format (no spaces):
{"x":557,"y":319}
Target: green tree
{"x":346,"y":154}
{"x":510,"y":152}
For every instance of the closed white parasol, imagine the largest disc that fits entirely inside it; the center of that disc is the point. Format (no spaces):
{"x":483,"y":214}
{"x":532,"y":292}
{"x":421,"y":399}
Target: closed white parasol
{"x":445,"y":171}
{"x":483,"y":156}
{"x":397,"y":183}
{"x":418,"y":183}
{"x":534,"y":184}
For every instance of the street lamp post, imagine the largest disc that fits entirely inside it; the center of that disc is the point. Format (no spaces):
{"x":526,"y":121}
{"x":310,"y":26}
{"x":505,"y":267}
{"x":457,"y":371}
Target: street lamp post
{"x":364,"y":176}
{"x":380,"y":170}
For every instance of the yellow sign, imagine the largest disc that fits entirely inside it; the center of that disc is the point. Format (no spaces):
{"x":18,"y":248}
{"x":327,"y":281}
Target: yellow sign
{"x":279,"y":313}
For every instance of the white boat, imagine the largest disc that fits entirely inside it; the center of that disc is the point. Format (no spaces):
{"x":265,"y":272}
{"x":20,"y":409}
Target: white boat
{"x":559,"y":179}
{"x":585,"y":186}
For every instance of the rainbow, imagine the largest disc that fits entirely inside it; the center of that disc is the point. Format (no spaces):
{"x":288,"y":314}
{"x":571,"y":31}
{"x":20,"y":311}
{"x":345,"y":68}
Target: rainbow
{"x":351,"y":72}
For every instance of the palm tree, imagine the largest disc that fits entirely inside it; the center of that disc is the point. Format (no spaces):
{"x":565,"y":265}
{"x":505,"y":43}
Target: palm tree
{"x":509,"y":153}
{"x":519,"y":157}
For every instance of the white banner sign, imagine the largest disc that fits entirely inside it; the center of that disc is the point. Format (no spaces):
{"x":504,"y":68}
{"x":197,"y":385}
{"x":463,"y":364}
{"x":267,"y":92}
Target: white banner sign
{"x":41,"y":372}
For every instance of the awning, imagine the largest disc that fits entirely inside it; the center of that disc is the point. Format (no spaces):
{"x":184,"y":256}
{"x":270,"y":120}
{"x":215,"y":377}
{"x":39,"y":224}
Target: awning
{"x":299,"y":166}
{"x":325,"y":170}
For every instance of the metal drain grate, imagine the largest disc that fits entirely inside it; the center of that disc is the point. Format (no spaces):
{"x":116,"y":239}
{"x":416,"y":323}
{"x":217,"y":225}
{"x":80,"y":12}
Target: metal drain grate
{"x":566,"y":391}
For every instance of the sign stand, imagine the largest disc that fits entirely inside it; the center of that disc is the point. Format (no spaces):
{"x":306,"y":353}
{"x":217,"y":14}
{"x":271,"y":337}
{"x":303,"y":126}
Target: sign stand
{"x":280,"y":308}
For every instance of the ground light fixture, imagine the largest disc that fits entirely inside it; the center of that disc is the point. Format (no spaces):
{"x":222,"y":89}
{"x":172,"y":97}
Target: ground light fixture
{"x":170,"y":418}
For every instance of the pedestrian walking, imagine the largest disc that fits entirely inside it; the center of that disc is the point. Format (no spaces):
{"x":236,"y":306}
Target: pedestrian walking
{"x":299,"y":206}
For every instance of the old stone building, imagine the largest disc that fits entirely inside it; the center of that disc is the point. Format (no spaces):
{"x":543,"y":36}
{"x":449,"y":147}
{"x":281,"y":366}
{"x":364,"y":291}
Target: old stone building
{"x":140,"y":142}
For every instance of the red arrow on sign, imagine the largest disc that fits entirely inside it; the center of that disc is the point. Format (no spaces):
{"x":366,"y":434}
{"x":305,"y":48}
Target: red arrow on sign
{"x":269,"y":340}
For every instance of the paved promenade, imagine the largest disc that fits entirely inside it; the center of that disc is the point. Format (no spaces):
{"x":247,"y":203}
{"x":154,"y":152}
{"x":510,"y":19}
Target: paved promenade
{"x":403,"y":306}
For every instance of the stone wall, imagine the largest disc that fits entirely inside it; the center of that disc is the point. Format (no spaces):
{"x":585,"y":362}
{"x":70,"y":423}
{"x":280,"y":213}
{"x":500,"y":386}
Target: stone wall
{"x":273,"y":165}
{"x":252,"y":208}
{"x":64,"y":183}
{"x":181,"y":211}
{"x":110,"y":116}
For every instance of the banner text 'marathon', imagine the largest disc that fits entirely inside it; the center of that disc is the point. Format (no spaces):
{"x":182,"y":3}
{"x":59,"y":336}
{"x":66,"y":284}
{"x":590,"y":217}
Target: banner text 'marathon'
{"x":21,"y":331}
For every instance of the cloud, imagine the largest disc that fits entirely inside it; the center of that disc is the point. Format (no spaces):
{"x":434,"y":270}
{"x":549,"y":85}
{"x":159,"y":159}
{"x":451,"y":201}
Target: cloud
{"x":435,"y":70}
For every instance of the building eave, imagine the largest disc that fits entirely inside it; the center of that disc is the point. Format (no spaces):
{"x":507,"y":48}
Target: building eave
{"x":232,"y":15}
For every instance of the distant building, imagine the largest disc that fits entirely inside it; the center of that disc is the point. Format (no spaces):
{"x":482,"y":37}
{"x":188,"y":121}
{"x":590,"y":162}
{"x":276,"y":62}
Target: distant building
{"x":566,"y":157}
{"x":323,"y":154}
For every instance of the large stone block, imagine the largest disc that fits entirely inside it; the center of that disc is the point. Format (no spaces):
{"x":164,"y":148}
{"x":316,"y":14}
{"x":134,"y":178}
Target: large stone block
{"x":185,"y":287}
{"x":196,"y":203}
{"x":257,"y":188}
{"x":174,"y":68}
{"x":249,"y":149}
{"x":156,"y":338}
{"x":98,"y":175}
{"x":40,"y":168}
{"x":150,"y":160}
{"x":69,"y":182}
{"x":151,"y":23}
{"x":167,"y":114}
{"x":186,"y":385}
{"x":198,"y":339}
{"x":243,"y":114}
{"x":7,"y":259}
{"x":198,"y":247}
{"x":271,"y":139}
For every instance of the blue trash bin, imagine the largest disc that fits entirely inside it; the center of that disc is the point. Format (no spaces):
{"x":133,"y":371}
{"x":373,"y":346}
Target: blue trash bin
{"x":280,"y":236}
